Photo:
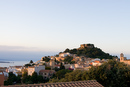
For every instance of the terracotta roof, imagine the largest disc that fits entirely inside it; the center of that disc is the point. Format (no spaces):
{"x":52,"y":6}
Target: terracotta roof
{"x":18,"y":66}
{"x":3,"y":68}
{"x":47,"y":71}
{"x":57,"y":65}
{"x":31,"y":67}
{"x":127,"y":60}
{"x":88,"y":83}
{"x":97,"y":61}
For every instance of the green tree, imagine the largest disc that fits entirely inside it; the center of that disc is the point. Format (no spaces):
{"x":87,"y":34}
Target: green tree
{"x":34,"y":78}
{"x":40,"y":79}
{"x":47,"y":68}
{"x":112,"y":73}
{"x":74,"y":76}
{"x":31,"y":61}
{"x":56,"y":69}
{"x":61,"y":73}
{"x":26,"y":65}
{"x":62,"y":66}
{"x":67,"y":50}
{"x":12,"y":79}
{"x":25,"y":77}
{"x":72,"y":62}
{"x":46,"y":59}
{"x":68,"y":59}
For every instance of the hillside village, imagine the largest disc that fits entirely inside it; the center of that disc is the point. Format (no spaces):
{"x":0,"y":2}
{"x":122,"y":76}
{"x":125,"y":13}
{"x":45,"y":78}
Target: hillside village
{"x":47,"y":66}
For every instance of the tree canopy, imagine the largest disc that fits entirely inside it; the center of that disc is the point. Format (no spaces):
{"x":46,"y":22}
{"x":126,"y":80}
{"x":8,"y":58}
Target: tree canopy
{"x":46,"y":59}
{"x":68,"y":59}
{"x":31,"y":61}
{"x":12,"y":79}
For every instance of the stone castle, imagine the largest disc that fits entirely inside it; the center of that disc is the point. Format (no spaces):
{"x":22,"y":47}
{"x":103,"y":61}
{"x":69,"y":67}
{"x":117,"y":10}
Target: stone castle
{"x":82,"y":46}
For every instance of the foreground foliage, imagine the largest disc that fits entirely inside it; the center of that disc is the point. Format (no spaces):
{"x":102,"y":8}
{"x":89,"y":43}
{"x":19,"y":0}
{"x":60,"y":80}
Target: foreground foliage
{"x":12,"y":79}
{"x":110,"y":74}
{"x":32,"y":79}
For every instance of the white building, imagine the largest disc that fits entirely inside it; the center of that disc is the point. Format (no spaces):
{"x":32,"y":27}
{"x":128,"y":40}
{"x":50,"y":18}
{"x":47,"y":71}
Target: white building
{"x":78,"y":66}
{"x":15,"y":69}
{"x":96,"y":64}
{"x":36,"y":69}
{"x":40,"y":62}
{"x":72,"y":66}
{"x":64,"y":54}
{"x":96,"y":59}
{"x":6,"y":74}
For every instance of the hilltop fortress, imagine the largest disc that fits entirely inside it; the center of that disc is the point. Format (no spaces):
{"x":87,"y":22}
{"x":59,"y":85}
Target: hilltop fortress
{"x":82,"y":46}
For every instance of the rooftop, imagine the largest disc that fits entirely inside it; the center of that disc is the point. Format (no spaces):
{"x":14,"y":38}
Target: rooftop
{"x":46,"y":71}
{"x":88,"y":83}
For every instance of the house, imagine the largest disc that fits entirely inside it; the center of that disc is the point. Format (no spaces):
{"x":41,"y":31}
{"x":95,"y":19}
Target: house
{"x":64,"y":54}
{"x":78,"y":65}
{"x":40,"y":62}
{"x":96,"y":59}
{"x":72,"y":66}
{"x":46,"y":73}
{"x":96,"y":63}
{"x":15,"y":69}
{"x":57,"y":66}
{"x":36,"y":68}
{"x":52,"y":64}
{"x":3,"y":69}
{"x":67,"y":66}
{"x":60,"y":58}
{"x":2,"y":78}
{"x":6,"y":75}
{"x":52,"y":57}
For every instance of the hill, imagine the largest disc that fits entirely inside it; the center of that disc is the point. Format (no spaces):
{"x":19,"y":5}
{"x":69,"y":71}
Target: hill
{"x":89,"y":50}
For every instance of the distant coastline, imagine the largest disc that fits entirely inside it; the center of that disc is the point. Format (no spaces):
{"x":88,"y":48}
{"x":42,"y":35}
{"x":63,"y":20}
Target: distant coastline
{"x":4,"y":62}
{"x":12,"y":63}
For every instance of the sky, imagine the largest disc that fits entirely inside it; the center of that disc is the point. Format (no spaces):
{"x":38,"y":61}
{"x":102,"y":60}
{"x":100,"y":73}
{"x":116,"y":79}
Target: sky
{"x":30,"y":29}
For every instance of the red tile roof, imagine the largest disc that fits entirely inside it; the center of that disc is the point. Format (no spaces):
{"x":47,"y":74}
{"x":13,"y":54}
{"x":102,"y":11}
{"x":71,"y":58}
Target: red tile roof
{"x":47,"y":71}
{"x":88,"y":83}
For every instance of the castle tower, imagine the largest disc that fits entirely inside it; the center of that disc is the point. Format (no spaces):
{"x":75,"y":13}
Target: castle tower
{"x":122,"y":57}
{"x":52,"y":64}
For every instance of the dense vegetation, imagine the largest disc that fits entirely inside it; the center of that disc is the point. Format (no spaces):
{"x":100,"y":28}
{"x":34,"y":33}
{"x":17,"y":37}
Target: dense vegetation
{"x":110,"y":74}
{"x":12,"y":79}
{"x":25,"y":78}
{"x":68,"y":59}
{"x":46,"y":59}
{"x":32,"y":79}
{"x":59,"y":75}
{"x":29,"y":64}
{"x":90,"y":52}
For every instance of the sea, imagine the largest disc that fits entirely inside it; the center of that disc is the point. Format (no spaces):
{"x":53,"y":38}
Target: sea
{"x":13,"y":63}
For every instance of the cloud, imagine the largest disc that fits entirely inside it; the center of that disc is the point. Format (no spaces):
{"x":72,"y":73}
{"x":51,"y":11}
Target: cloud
{"x":23,"y":53}
{"x":18,"y":48}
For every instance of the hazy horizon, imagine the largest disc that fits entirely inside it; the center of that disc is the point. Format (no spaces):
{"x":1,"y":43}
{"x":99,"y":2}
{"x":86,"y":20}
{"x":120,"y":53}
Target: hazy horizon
{"x":14,"y":55}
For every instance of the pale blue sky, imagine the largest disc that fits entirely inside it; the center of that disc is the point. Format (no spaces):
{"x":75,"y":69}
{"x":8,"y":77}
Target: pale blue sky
{"x":46,"y":27}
